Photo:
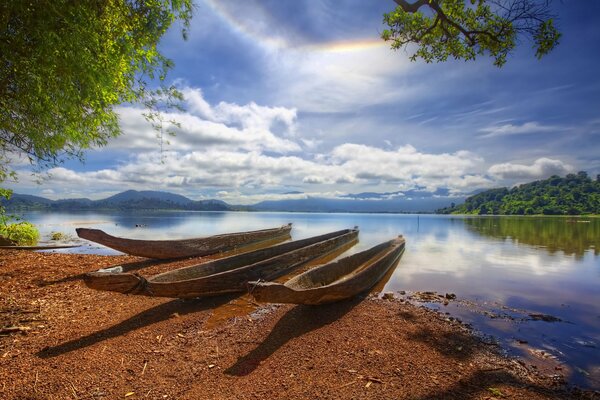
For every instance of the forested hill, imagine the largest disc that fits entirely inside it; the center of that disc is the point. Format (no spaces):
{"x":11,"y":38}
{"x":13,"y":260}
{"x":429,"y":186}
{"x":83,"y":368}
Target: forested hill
{"x":572,"y":195}
{"x":129,"y":200}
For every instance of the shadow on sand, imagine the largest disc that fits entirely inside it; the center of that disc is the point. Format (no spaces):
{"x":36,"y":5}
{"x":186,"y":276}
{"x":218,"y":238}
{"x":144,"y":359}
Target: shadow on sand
{"x":457,"y":345}
{"x":128,"y":267}
{"x":145,"y":318}
{"x":295,"y":323}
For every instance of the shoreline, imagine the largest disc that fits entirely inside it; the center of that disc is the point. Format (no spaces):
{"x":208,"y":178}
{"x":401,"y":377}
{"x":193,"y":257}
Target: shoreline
{"x":77,"y":342}
{"x":133,"y":210}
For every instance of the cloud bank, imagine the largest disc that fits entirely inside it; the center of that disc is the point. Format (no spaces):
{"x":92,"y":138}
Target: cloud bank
{"x":248,"y":153}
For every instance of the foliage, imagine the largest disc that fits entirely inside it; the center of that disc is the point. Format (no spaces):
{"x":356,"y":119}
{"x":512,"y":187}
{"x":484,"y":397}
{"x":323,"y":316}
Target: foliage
{"x":4,"y":194}
{"x":65,"y":65}
{"x":23,"y":233}
{"x":574,"y":194}
{"x":465,"y":30}
{"x":57,"y":236}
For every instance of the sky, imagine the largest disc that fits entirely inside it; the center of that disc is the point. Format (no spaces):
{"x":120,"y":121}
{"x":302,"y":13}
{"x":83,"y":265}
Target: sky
{"x":295,"y":99}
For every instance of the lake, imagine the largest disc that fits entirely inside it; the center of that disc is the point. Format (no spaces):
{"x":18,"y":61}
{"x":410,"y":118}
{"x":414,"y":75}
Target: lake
{"x":531,"y":284}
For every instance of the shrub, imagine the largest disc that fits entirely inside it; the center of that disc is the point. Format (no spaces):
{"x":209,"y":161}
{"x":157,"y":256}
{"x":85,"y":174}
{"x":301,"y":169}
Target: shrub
{"x":57,"y":236}
{"x":23,"y":233}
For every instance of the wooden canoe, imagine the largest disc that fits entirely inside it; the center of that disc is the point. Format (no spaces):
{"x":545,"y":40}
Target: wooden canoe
{"x":226,"y":275}
{"x":196,"y":247}
{"x":334,"y":281}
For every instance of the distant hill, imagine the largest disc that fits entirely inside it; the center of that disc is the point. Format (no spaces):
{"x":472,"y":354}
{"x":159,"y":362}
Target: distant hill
{"x":129,"y":200}
{"x":397,"y":202}
{"x":574,"y":194}
{"x":356,"y":204}
{"x":136,"y":196}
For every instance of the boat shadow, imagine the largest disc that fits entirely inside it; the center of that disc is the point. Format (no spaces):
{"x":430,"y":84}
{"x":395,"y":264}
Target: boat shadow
{"x":127,"y":267}
{"x":296,"y":322}
{"x":148,"y":317}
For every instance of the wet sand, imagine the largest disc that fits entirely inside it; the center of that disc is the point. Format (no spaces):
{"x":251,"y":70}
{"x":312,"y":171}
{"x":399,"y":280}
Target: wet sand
{"x":68,"y":341}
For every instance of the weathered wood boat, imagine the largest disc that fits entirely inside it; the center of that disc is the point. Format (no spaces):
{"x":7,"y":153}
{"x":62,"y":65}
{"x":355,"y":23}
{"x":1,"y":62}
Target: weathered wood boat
{"x":195,"y":247}
{"x":334,"y":281}
{"x":226,"y":275}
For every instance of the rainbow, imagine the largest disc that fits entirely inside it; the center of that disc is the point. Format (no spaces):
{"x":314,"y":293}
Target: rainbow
{"x":238,"y":25}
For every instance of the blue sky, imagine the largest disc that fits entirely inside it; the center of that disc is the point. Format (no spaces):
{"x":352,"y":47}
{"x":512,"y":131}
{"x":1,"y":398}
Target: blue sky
{"x":293,"y":99}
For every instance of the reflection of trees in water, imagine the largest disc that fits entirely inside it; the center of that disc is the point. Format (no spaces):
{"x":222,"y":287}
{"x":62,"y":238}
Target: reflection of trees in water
{"x":555,"y":234}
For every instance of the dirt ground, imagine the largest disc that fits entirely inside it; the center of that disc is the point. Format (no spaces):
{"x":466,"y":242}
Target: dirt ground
{"x":61,"y":340}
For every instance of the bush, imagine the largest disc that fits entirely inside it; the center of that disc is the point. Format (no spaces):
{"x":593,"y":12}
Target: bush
{"x":23,"y":233}
{"x":57,"y":236}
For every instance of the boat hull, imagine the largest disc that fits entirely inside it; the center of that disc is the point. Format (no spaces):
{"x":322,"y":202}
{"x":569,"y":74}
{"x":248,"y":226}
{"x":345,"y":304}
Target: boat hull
{"x":226,"y":275}
{"x":173,"y":249}
{"x":335,"y":281}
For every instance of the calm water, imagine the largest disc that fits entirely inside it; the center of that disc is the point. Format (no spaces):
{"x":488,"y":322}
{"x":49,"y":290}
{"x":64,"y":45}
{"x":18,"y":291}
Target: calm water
{"x":502,"y":269}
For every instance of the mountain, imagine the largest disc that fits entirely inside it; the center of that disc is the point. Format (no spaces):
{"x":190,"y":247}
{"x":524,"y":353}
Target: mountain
{"x":400,"y":204}
{"x":371,"y":202}
{"x":26,"y":201}
{"x":419,"y":193}
{"x":137,"y":196}
{"x":574,"y":194}
{"x":128,"y":200}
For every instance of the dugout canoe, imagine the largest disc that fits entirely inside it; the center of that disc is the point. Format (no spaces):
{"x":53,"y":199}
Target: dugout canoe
{"x":226,"y":275}
{"x":195,"y":247}
{"x":334,"y":281}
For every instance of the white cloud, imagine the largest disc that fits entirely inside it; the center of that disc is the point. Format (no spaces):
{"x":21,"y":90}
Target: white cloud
{"x":326,"y":80}
{"x":249,"y":127}
{"x":541,"y":168}
{"x":246,"y":153}
{"x":407,"y":165}
{"x":235,"y":174}
{"x":510,"y":129}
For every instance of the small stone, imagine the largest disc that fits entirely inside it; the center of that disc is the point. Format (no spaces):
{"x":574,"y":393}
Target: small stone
{"x":388,"y":296}
{"x":450,"y":296}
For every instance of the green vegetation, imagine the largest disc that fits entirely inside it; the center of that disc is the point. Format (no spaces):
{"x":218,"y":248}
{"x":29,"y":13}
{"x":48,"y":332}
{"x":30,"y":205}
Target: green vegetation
{"x":574,"y":194}
{"x":22,"y":233}
{"x":57,"y":236}
{"x":4,"y":194}
{"x":19,"y":233}
{"x":65,"y":65}
{"x":464,"y":30}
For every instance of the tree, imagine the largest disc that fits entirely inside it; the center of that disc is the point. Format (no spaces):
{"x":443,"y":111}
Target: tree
{"x":65,"y":65}
{"x":466,"y":29}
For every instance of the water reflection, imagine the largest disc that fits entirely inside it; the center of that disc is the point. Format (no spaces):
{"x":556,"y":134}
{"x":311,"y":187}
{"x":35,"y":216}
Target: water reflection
{"x":573,"y":236}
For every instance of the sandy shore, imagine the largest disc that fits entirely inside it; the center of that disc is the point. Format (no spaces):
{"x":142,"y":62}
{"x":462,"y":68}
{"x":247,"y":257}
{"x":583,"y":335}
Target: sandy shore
{"x":68,"y":341}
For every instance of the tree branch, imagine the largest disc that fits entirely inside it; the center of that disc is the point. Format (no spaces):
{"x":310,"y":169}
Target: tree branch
{"x":411,"y":7}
